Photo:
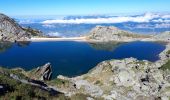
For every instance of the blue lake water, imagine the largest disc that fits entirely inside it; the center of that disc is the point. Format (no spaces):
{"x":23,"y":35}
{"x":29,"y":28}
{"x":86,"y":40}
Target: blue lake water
{"x":73,"y":58}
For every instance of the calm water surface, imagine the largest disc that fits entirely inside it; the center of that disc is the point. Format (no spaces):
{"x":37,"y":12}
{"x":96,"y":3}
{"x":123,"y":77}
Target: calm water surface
{"x":73,"y":58}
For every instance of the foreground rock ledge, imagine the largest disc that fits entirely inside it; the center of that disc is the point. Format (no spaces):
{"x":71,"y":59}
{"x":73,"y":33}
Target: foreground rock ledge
{"x":127,"y":79}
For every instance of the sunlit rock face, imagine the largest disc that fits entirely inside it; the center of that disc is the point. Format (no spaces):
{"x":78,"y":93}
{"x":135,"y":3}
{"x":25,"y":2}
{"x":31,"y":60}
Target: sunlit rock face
{"x":111,"y":33}
{"x":126,"y":79}
{"x":42,"y":73}
{"x":11,"y":31}
{"x":165,"y":36}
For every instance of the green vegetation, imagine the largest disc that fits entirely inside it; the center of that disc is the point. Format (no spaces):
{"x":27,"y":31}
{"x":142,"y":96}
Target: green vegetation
{"x":98,"y":82}
{"x":59,"y":82}
{"x":17,"y":90}
{"x":166,"y":66}
{"x":168,"y":52}
{"x":33,"y":31}
{"x":108,"y":46}
{"x":128,"y":34}
{"x":81,"y":96}
{"x":17,"y":72}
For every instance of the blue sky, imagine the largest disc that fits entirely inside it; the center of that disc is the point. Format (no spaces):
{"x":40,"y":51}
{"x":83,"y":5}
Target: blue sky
{"x":82,"y":7}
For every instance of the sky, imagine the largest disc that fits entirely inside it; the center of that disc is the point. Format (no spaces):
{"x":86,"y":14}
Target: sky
{"x":81,"y":7}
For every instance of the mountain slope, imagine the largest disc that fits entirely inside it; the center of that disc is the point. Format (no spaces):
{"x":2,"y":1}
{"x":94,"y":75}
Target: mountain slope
{"x":163,"y":36}
{"x":111,"y":33}
{"x":11,"y":31}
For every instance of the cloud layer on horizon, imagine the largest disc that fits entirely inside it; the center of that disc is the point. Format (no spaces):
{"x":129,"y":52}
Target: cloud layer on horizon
{"x":148,"y":17}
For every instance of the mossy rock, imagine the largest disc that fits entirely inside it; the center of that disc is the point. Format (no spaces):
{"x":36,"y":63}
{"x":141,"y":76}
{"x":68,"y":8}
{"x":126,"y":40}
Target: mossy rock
{"x":168,"y":52}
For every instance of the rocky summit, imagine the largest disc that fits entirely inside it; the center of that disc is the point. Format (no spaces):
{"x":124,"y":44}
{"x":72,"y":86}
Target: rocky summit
{"x":11,"y":31}
{"x":111,"y":33}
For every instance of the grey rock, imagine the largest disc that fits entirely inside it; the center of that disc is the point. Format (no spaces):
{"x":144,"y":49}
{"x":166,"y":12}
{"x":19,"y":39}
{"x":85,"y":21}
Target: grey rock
{"x":88,"y":88}
{"x":165,"y":36}
{"x":44,"y":72}
{"x":11,"y":31}
{"x":128,"y":81}
{"x":110,"y":33}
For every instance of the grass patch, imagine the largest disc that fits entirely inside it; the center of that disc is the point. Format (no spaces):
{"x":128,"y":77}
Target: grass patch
{"x":166,"y":66}
{"x":16,"y":90}
{"x":168,"y":52}
{"x":98,"y":82}
{"x":59,"y":82}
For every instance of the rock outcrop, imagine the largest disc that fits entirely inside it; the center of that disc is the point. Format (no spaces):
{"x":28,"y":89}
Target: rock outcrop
{"x":165,"y":36}
{"x":14,"y":84}
{"x":127,"y":79}
{"x":42,"y":73}
{"x":110,"y":33}
{"x":11,"y":31}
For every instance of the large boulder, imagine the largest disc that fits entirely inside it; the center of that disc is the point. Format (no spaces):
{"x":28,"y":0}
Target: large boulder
{"x":11,"y":31}
{"x":42,"y":73}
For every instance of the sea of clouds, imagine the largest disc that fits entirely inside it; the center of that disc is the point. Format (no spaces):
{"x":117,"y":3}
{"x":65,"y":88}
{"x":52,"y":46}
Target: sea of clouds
{"x":78,"y":25}
{"x":148,"y":17}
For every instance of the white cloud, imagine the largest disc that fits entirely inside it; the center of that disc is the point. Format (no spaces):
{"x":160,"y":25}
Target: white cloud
{"x":162,"y":20}
{"x":166,"y":16}
{"x":54,"y":34}
{"x":146,"y":18}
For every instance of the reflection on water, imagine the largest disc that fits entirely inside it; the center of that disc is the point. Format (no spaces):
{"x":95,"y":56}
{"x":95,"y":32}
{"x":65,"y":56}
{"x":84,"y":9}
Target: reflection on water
{"x":23,"y":43}
{"x":4,"y":46}
{"x":107,"y":46}
{"x":71,"y":58}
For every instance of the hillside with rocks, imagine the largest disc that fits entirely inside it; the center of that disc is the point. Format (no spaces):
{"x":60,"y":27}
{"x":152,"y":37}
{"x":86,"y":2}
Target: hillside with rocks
{"x":165,"y":36}
{"x":111,"y":33}
{"x":16,"y":85}
{"x":11,"y":31}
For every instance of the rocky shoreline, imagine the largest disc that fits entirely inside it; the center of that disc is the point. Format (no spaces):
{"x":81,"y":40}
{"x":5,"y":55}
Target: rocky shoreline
{"x":126,"y":79}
